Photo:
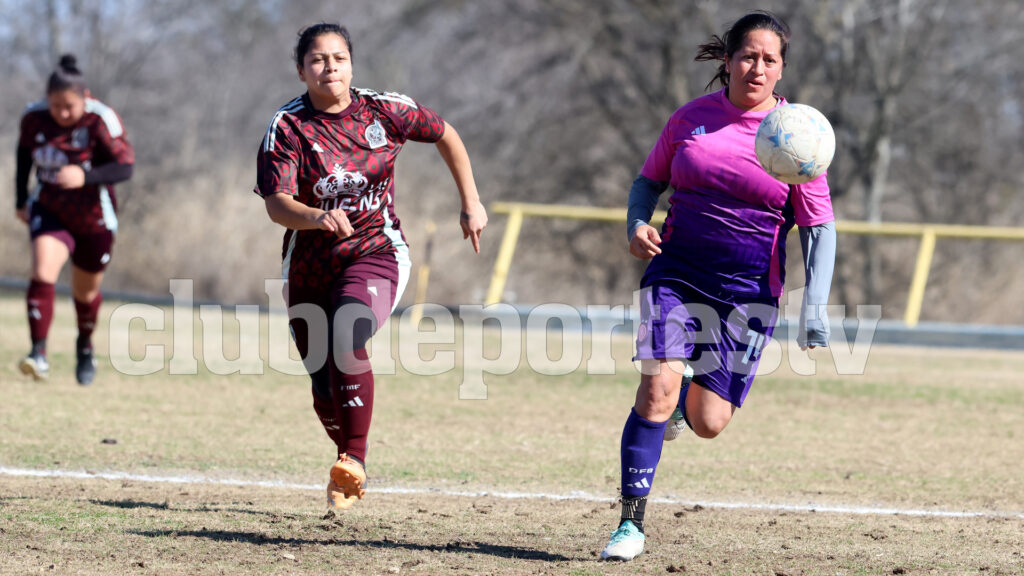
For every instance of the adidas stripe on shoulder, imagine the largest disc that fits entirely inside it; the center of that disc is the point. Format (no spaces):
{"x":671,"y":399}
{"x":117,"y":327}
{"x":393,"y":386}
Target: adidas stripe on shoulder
{"x":386,"y":96}
{"x":107,"y":114}
{"x":270,"y":138}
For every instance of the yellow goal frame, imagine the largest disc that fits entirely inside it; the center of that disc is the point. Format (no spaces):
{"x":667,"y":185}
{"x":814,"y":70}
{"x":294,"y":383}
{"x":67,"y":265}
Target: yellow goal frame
{"x":928,"y":234}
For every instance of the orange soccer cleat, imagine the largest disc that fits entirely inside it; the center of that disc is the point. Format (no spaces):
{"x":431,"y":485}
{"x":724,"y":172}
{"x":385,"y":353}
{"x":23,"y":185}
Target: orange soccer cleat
{"x":346,"y":485}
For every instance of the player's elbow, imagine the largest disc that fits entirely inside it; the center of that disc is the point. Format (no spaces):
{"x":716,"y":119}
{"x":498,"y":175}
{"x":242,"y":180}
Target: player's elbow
{"x":276,"y":217}
{"x":274,"y":210}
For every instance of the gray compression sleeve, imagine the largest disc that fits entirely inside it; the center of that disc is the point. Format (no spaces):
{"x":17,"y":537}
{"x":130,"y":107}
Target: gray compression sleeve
{"x":643,"y":198}
{"x":819,"y":248}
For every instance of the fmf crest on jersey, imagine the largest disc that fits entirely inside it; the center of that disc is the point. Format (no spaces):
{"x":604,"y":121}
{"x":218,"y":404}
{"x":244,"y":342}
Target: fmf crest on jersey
{"x":375,"y":135}
{"x":338,"y":182}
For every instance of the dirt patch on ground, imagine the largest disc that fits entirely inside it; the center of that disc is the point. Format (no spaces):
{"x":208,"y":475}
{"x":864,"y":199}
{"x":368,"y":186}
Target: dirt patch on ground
{"x":106,"y":527}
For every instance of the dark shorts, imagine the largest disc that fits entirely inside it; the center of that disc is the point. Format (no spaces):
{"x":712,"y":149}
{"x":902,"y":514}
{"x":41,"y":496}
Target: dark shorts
{"x":90,"y":252}
{"x":721,"y":339}
{"x":377,"y":280}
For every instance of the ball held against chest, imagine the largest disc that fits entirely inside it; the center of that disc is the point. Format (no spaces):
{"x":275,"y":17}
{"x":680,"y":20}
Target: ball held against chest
{"x":795,"y":143}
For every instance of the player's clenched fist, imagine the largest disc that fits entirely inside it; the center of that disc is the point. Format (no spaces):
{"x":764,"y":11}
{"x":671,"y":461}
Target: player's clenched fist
{"x":644,"y":244}
{"x":336,"y":221}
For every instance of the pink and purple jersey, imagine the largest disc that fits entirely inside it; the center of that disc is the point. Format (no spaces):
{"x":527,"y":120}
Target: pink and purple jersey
{"x":95,"y":140}
{"x":344,"y":160}
{"x":728,"y":218}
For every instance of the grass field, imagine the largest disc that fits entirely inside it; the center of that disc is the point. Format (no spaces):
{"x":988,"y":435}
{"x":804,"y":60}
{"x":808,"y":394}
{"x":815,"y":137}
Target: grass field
{"x":924,"y":431}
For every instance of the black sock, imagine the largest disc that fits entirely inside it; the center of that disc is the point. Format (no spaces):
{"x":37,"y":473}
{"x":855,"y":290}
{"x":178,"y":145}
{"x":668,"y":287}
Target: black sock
{"x":39,"y":348}
{"x":633,"y":510}
{"x":84,"y":343}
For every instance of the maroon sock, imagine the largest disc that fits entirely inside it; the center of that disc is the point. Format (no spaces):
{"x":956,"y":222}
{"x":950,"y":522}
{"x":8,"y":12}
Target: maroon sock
{"x":325,"y":412}
{"x":88,"y":313}
{"x":40,"y":310}
{"x":352,"y":390}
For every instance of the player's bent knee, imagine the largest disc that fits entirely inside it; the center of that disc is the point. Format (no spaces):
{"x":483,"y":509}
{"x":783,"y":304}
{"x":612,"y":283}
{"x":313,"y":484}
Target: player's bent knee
{"x":709,"y":427}
{"x":655,"y":412}
{"x":84,"y":295}
{"x":657,"y":398}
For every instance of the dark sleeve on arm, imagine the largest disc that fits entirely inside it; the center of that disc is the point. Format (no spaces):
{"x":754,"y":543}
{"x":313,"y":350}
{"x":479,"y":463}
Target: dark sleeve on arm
{"x":643,"y":198}
{"x":21,"y":175}
{"x":109,"y":173}
{"x":819,"y":248}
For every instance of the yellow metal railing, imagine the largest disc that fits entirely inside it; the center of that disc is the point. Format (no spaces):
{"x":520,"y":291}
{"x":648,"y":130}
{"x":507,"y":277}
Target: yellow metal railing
{"x":928,"y":233}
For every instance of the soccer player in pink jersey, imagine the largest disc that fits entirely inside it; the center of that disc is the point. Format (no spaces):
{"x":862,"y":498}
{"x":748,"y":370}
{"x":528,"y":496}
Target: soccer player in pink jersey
{"x":79,"y":150}
{"x":326,"y":173}
{"x":711,"y":291}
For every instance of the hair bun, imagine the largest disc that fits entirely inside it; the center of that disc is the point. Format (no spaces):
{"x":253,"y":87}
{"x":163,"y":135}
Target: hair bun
{"x":69,"y":63}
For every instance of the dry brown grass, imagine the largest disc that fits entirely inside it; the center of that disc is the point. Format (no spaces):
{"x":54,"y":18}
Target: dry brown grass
{"x":921,"y":429}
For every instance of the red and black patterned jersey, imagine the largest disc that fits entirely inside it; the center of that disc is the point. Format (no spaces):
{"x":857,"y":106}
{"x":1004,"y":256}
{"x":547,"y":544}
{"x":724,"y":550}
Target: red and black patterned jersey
{"x":95,"y":140}
{"x":344,"y":160}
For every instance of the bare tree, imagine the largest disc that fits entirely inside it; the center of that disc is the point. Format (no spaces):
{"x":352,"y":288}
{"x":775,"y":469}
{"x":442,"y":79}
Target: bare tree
{"x":53,"y":27}
{"x":558,"y":102}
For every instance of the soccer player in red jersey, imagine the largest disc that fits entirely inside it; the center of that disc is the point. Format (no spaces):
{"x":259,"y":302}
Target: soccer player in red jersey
{"x":79,"y":150}
{"x":325,"y":170}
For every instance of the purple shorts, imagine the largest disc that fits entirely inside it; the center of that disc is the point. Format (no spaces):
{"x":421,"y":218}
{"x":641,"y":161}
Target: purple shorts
{"x":90,"y":252}
{"x":720,"y":339}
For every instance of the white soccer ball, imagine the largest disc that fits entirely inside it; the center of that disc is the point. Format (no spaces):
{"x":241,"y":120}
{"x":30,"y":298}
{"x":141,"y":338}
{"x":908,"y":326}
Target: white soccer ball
{"x":795,"y":143}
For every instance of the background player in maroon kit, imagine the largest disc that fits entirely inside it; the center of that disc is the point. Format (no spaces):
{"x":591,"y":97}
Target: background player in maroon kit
{"x":78,"y":147}
{"x":326,"y":173}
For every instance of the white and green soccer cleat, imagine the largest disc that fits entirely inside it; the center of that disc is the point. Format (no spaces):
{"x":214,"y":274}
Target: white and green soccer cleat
{"x":676,"y":425}
{"x":627,"y":543}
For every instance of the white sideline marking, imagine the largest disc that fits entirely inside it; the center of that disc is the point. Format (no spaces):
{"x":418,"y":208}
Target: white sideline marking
{"x":574,"y":495}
